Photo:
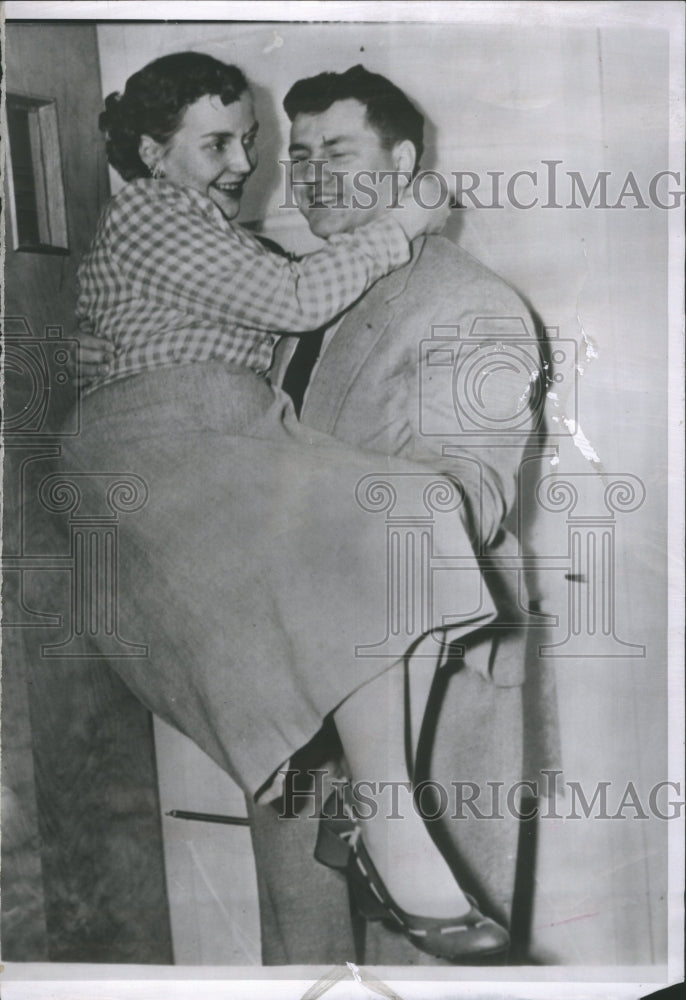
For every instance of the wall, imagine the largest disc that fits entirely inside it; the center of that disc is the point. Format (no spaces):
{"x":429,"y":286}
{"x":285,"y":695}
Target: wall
{"x":505,"y":99}
{"x":82,"y":863}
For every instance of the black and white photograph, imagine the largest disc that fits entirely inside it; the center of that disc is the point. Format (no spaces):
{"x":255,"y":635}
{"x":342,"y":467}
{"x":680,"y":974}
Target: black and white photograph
{"x":343,"y":482}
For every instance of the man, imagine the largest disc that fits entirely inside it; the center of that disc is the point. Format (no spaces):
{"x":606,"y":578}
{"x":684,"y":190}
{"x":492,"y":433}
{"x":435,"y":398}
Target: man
{"x":353,"y":133}
{"x":437,"y":363}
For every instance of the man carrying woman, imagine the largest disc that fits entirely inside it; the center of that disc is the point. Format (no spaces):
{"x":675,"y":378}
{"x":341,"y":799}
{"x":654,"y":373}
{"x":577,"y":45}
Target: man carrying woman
{"x":253,"y":568}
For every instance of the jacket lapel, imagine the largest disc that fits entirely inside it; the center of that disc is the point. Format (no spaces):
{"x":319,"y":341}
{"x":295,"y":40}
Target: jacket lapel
{"x":353,"y":342}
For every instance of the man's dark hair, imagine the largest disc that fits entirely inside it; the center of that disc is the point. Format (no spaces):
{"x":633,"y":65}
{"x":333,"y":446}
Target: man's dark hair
{"x":154,"y":101}
{"x":389,"y":111}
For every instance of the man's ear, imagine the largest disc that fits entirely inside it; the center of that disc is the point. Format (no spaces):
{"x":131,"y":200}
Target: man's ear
{"x":404,"y":159}
{"x":150,"y":151}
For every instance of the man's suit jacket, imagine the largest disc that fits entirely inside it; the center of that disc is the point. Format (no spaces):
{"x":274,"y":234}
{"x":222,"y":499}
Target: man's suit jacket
{"x":374,"y":388}
{"x":457,"y":402}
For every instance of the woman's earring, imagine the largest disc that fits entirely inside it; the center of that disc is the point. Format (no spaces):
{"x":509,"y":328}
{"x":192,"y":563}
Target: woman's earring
{"x":157,"y":172}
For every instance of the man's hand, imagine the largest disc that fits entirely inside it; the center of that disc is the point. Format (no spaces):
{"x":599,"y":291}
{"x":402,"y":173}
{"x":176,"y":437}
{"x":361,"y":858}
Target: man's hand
{"x":413,"y":212}
{"x":95,"y":356}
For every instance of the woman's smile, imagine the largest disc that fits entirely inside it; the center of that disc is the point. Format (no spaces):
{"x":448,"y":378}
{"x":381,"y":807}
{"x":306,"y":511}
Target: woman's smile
{"x":214,"y":150}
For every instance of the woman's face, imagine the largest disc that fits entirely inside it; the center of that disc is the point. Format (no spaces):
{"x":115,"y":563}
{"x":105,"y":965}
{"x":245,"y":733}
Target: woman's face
{"x":214,"y":150}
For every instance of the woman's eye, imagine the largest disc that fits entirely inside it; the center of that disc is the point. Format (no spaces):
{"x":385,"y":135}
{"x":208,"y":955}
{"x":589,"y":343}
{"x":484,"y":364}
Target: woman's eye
{"x":219,"y":146}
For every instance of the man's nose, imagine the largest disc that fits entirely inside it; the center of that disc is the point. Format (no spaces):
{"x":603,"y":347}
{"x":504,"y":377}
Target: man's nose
{"x":315,"y":172}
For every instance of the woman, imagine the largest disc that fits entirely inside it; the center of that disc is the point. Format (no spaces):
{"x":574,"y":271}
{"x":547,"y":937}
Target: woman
{"x":253,"y":572}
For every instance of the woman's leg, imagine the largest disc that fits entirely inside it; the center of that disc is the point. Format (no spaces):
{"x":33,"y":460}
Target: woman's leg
{"x":372,"y":727}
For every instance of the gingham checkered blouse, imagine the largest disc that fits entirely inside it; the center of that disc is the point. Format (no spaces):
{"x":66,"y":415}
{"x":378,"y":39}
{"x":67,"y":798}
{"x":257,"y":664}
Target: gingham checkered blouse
{"x":169,"y":280}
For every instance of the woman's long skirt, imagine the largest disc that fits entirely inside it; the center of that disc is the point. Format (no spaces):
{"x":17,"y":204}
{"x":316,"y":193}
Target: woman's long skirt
{"x":259,"y":572}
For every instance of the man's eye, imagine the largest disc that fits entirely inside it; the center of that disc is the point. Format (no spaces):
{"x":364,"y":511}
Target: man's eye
{"x":250,"y":140}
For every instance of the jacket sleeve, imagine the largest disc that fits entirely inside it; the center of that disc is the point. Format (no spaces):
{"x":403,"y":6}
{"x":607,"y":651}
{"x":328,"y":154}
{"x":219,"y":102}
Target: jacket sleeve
{"x":479,"y":384}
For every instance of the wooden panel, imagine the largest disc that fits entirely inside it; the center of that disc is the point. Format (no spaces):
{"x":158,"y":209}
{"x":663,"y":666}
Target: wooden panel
{"x":83,"y":873}
{"x":98,"y":817}
{"x":24,"y":933}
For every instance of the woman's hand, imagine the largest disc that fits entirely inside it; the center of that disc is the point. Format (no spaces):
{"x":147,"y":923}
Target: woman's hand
{"x":424,"y":206}
{"x":95,"y":355}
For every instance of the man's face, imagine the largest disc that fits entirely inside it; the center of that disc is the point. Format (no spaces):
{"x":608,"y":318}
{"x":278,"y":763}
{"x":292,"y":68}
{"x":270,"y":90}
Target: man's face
{"x":343,"y":138}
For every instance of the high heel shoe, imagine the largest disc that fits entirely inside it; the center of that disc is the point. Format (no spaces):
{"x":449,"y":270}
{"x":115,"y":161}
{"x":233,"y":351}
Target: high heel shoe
{"x":340,"y":846}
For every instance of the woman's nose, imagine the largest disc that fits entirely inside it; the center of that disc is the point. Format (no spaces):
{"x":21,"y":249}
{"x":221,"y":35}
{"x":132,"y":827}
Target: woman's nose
{"x":239,"y":160}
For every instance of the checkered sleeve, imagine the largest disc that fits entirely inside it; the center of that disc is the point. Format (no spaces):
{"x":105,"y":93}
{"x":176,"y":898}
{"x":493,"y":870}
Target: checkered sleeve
{"x":173,"y":247}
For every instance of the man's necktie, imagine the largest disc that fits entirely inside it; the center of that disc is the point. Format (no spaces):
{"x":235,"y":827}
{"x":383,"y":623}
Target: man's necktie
{"x":300,"y":366}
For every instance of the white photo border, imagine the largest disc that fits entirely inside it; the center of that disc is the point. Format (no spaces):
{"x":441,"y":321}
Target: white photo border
{"x":78,"y":982}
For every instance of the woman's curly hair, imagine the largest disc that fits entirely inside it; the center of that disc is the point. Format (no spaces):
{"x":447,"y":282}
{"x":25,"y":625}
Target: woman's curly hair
{"x":154,"y":101}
